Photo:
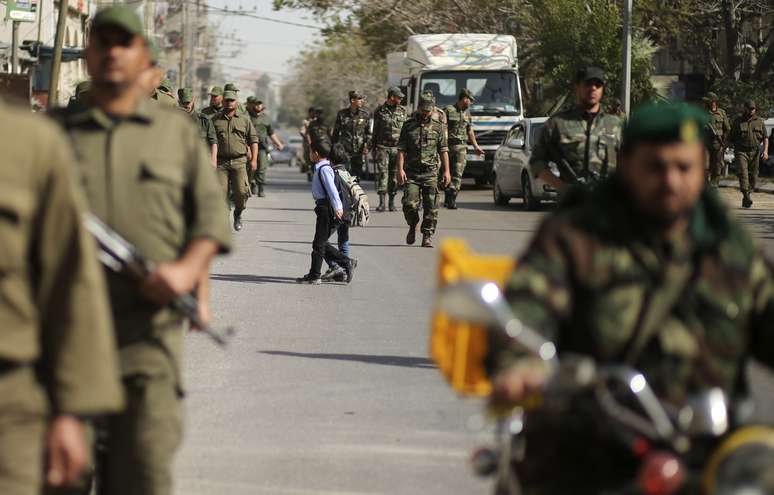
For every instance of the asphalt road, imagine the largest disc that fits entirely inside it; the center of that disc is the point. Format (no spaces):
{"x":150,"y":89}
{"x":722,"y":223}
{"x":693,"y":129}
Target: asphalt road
{"x":328,"y":389}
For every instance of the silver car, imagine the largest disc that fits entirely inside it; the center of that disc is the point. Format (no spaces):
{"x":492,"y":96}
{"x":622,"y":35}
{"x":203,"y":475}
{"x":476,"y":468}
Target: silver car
{"x":512,"y":176}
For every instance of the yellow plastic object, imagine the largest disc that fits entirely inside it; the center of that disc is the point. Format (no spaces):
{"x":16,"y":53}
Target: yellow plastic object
{"x":751,"y":435}
{"x":457,"y":347}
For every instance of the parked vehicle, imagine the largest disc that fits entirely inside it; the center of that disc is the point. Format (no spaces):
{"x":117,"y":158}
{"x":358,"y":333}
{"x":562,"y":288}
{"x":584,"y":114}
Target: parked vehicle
{"x":486,"y":64}
{"x":512,"y":175}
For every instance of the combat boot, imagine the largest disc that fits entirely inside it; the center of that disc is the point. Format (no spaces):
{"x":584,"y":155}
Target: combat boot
{"x":746,"y":201}
{"x":392,"y":202}
{"x":427,"y":240}
{"x":237,"y":220}
{"x":261,"y":194}
{"x":411,"y":237}
{"x":452,"y":200}
{"x":253,"y":188}
{"x":381,"y":203}
{"x":446,"y":199}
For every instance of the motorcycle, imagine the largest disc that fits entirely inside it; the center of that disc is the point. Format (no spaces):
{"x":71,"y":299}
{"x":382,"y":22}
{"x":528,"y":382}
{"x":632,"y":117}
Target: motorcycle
{"x":709,"y":446}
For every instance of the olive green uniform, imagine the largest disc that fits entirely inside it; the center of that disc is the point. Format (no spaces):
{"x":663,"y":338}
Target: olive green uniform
{"x":719,"y":129}
{"x":422,"y":142}
{"x":746,"y":136}
{"x":209,"y":111}
{"x":206,"y":129}
{"x":263,"y":130}
{"x":388,"y":121}
{"x":687,"y":312}
{"x":235,"y":135}
{"x":57,"y":350}
{"x":459,"y":125}
{"x":160,"y":198}
{"x":584,"y":146}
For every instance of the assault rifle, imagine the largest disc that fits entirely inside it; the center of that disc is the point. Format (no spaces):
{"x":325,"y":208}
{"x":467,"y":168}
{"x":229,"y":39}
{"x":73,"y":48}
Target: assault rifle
{"x":120,"y":256}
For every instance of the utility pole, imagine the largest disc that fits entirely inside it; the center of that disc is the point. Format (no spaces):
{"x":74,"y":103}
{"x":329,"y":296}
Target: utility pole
{"x":53,"y":86}
{"x":183,"y":43}
{"x":626,"y":89}
{"x":14,"y":46}
{"x":40,"y":17}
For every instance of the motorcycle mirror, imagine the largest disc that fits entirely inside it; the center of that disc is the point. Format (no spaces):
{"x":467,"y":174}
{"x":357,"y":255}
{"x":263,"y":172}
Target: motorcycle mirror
{"x":483,"y":303}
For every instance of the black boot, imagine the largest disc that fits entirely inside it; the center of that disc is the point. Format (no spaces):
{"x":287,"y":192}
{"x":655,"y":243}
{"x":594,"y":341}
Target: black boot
{"x":446,"y":199}
{"x":411,"y":237}
{"x":261,"y":194}
{"x":452,"y":200}
{"x":392,"y":202}
{"x":381,"y":203}
{"x":237,"y":220}
{"x":746,"y":201}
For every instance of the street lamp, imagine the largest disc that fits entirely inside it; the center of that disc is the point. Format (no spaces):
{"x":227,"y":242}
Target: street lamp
{"x":626,"y":86}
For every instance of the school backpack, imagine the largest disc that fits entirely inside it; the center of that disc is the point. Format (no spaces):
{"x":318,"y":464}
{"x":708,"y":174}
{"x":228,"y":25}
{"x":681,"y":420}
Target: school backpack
{"x":354,"y":200}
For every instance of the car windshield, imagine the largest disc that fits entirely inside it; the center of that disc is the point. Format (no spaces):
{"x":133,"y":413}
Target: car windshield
{"x":495,"y":92}
{"x":534,"y":133}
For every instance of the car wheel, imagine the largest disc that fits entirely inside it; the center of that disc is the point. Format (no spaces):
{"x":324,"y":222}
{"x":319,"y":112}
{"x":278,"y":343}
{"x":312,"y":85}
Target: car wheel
{"x":531,"y":203}
{"x":500,"y":199}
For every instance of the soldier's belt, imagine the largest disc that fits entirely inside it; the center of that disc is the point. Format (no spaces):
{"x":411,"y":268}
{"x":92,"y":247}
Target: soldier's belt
{"x":457,"y":142}
{"x":229,"y":161}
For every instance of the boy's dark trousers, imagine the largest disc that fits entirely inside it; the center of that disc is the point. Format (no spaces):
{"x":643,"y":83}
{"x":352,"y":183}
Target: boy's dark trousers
{"x":322,"y":250}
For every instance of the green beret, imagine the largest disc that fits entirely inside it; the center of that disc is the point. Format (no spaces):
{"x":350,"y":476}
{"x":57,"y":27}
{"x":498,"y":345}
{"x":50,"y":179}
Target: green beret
{"x":118,"y":16}
{"x":185,"y":95}
{"x":216,"y":91}
{"x":665,"y":123}
{"x":230,"y":87}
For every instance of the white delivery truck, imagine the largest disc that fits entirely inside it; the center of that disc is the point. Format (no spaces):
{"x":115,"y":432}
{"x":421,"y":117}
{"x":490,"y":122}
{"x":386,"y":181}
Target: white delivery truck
{"x":486,"y":64}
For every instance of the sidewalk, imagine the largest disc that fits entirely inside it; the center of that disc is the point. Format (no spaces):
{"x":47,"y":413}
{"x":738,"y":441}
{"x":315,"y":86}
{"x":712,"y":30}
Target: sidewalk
{"x":764,"y":187}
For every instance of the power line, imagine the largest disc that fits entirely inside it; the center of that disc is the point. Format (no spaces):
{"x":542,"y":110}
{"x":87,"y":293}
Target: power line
{"x":254,"y":16}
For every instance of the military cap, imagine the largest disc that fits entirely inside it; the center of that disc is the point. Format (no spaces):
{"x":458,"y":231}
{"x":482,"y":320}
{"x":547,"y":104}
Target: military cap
{"x":251,"y":99}
{"x":355,"y":95}
{"x":395,"y":91}
{"x":166,"y":85}
{"x":426,"y":103}
{"x":185,"y":95}
{"x":466,"y":93}
{"x":750,"y":104}
{"x":119,"y":16}
{"x":428,"y":94}
{"x":82,"y":87}
{"x":711,"y":96}
{"x":665,"y":123}
{"x":231,"y":87}
{"x":230,"y":94}
{"x":216,"y":91}
{"x":590,"y":73}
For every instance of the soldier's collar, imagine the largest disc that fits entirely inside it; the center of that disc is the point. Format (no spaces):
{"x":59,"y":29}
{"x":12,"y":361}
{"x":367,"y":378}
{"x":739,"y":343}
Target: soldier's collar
{"x":90,"y":112}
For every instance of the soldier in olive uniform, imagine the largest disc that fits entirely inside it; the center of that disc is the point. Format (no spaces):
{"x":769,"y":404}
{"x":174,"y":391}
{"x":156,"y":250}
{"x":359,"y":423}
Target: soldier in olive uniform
{"x":719,"y":129}
{"x":236,"y":142}
{"x":652,"y":232}
{"x":583,"y":142}
{"x":616,"y":108}
{"x":216,"y":102}
{"x":388,"y":121}
{"x":747,"y":134}
{"x":206,"y":129}
{"x":163,"y":93}
{"x":165,"y":200}
{"x":460,"y":131}
{"x":422,"y":142}
{"x":316,"y":131}
{"x":58,"y":361}
{"x":263,"y":129}
{"x":353,"y":130}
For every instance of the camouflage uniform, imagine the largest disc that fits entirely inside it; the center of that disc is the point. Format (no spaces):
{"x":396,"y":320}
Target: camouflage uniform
{"x":587,"y":143}
{"x":352,"y":129}
{"x":459,"y":125}
{"x":597,"y":281}
{"x":719,"y":129}
{"x":746,"y":135}
{"x":422,"y":142}
{"x":388,"y":121}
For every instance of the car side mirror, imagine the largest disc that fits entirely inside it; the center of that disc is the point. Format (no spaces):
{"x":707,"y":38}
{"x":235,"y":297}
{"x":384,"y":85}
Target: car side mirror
{"x":517,"y":143}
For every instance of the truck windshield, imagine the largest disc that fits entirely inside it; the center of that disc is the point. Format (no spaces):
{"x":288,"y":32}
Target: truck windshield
{"x":495,"y":92}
